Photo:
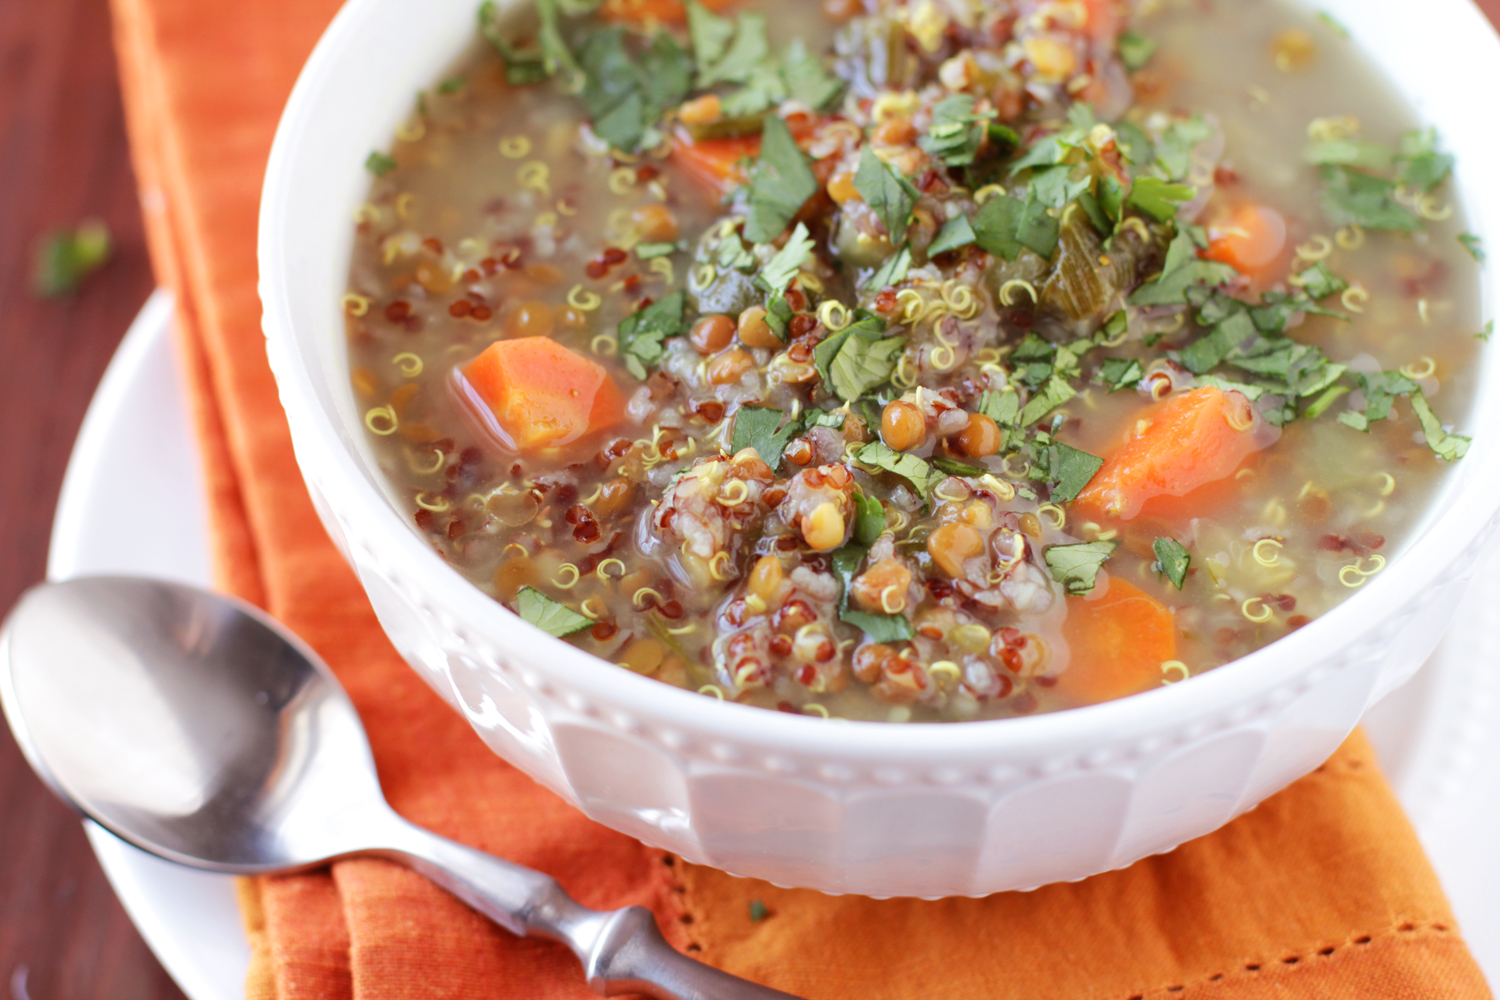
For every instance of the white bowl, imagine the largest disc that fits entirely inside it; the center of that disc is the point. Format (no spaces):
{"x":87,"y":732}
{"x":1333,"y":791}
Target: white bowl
{"x":925,"y":810}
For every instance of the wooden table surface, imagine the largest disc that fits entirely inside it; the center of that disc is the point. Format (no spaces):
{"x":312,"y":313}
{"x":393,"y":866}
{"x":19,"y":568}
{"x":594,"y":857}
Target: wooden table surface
{"x":63,"y":157}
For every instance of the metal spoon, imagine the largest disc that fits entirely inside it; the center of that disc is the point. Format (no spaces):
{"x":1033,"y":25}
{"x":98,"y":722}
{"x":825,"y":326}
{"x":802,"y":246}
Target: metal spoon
{"x":198,"y":729}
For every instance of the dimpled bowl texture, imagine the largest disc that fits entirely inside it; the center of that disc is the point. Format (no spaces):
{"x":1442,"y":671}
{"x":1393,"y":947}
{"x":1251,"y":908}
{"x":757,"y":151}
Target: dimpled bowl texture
{"x":914,"y":810}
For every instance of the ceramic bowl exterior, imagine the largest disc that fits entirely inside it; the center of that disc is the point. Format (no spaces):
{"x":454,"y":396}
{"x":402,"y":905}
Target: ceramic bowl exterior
{"x":925,"y":810}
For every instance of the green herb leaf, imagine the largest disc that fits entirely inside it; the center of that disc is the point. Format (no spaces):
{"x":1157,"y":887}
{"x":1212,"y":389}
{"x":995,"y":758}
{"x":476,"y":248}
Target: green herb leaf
{"x":1172,"y":559}
{"x":783,"y":267}
{"x":641,"y":334}
{"x":1157,"y":198}
{"x":65,"y":258}
{"x":1330,"y":395}
{"x":1072,"y":469}
{"x":1183,"y":270}
{"x":736,"y":61}
{"x":708,"y":32}
{"x":1318,"y":282}
{"x":1352,"y":198}
{"x":956,"y":232}
{"x":452,"y":85}
{"x":914,"y":470}
{"x":646,"y":251}
{"x":1005,"y":225}
{"x":1333,"y":24}
{"x":888,"y":193}
{"x":1251,"y":392}
{"x":625,"y":96}
{"x":1419,"y":166}
{"x":1056,"y":392}
{"x":1448,"y":447}
{"x":956,"y":132}
{"x":761,"y":428}
{"x":1348,"y":153}
{"x":856,"y":365}
{"x":1174,"y":150}
{"x":758,"y":911}
{"x":548,"y":615}
{"x":869,"y":518}
{"x":1135,"y":49}
{"x":1472,"y":244}
{"x":954,"y":467}
{"x":807,"y":79}
{"x":780,"y":183}
{"x":379,"y":163}
{"x":1003,"y":407}
{"x":1120,"y":373}
{"x":1212,"y":348}
{"x":891,"y":272}
{"x":880,"y":628}
{"x":1487,"y":332}
{"x":1077,"y":567}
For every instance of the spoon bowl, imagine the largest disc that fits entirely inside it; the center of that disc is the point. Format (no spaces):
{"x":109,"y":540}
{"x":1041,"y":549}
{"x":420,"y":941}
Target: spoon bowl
{"x":197,"y":728}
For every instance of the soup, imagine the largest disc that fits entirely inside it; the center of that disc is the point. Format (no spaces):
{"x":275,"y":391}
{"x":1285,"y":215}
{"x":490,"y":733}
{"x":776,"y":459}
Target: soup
{"x":913,"y":362}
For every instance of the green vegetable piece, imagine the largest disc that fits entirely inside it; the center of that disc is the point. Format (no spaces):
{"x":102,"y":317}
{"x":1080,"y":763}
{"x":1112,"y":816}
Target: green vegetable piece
{"x":869,"y":519}
{"x":1004,"y":226}
{"x":1072,"y":469}
{"x":1472,"y":244}
{"x":761,"y":428}
{"x":1056,"y":392}
{"x":1487,"y":332}
{"x":880,"y":628}
{"x":1318,"y":282}
{"x":709,"y":34}
{"x":853,"y":364}
{"x":956,"y":232}
{"x":1157,"y":198}
{"x":956,"y":132}
{"x":807,"y":79}
{"x":65,"y":258}
{"x":1135,"y":49}
{"x":1448,"y":447}
{"x":1209,"y":350}
{"x":1172,"y":559}
{"x":891,"y":272}
{"x":1419,"y":166}
{"x":641,"y":334}
{"x":646,"y":251}
{"x":452,"y":85}
{"x":1182,"y":271}
{"x":758,"y":911}
{"x":736,"y":61}
{"x":1003,"y":407}
{"x":379,"y":163}
{"x":1077,"y":566}
{"x":548,"y":615}
{"x":1330,"y":395}
{"x":780,"y":183}
{"x":1348,"y":153}
{"x":914,"y":470}
{"x":1352,"y":198}
{"x":888,"y":193}
{"x":1120,"y":373}
{"x":1174,"y":151}
{"x":783,"y":267}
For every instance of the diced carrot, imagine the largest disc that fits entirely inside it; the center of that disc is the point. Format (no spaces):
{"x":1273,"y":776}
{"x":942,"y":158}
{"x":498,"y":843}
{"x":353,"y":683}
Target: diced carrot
{"x":1176,"y":446}
{"x":717,"y":164}
{"x":1117,"y":643}
{"x":655,"y":11}
{"x":1252,"y":243}
{"x":543,"y":395}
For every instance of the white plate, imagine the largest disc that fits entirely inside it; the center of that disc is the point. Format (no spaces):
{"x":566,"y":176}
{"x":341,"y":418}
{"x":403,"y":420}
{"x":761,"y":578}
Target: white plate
{"x":132,"y":502}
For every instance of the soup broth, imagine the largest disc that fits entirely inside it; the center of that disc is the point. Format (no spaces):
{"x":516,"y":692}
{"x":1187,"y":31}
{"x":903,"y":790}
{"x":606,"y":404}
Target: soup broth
{"x":913,"y":362}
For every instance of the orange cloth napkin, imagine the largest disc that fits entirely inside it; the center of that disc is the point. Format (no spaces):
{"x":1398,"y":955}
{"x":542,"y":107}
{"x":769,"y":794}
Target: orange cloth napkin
{"x":1322,"y":891}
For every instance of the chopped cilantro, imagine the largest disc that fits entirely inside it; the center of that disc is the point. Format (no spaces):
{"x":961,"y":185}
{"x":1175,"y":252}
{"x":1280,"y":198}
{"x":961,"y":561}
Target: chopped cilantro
{"x":709,"y":34}
{"x":880,"y":628}
{"x":1352,"y":198}
{"x":1472,"y":244}
{"x":452,"y":85}
{"x":887,"y":191}
{"x":1174,"y":150}
{"x":1318,"y":282}
{"x":783,"y":267}
{"x":1182,"y":271}
{"x":1448,"y":447}
{"x":891,"y":272}
{"x":379,"y":163}
{"x":65,"y":257}
{"x":548,"y":615}
{"x":761,"y":428}
{"x":1348,"y":153}
{"x":1380,"y":391}
{"x":641,"y":333}
{"x":1120,"y":373}
{"x":914,"y":470}
{"x":1212,"y":348}
{"x":807,"y":79}
{"x":1487,"y":332}
{"x":780,"y":183}
{"x":758,"y":911}
{"x":954,"y":467}
{"x":1172,"y":559}
{"x":1056,"y":392}
{"x":856,"y":360}
{"x":1419,"y":166}
{"x":1003,"y":407}
{"x":625,"y":95}
{"x":956,"y":233}
{"x":1330,"y":395}
{"x":869,"y":518}
{"x":1006,"y":225}
{"x":1071,"y":469}
{"x":1135,"y":49}
{"x":1077,"y":566}
{"x":1157,"y":198}
{"x":956,"y":132}
{"x":727,"y":57}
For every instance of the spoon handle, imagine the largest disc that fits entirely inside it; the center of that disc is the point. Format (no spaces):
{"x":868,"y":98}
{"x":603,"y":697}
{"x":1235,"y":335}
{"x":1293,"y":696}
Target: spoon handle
{"x":622,"y":951}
